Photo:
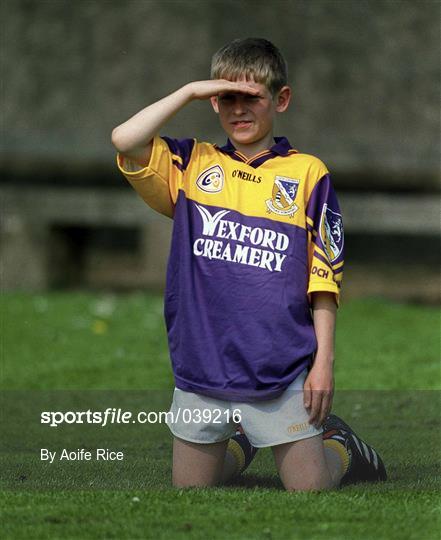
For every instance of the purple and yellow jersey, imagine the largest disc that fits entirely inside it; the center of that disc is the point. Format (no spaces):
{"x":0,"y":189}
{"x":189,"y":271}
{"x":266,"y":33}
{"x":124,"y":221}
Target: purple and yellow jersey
{"x":252,"y":238}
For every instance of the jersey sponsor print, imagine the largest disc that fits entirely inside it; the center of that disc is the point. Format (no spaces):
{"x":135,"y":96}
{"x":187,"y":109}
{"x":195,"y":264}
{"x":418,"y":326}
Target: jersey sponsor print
{"x":228,"y":242}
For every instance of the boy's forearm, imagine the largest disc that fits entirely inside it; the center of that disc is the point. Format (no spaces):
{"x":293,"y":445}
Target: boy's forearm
{"x":135,"y":135}
{"x":325,"y":313}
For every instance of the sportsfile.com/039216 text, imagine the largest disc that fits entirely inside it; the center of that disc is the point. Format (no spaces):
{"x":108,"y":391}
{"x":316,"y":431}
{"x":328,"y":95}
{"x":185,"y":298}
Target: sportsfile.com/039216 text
{"x":117,"y":416}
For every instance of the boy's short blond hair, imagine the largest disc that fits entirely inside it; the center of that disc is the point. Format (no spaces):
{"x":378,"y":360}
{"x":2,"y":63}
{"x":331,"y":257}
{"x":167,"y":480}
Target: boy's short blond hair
{"x":255,"y":58}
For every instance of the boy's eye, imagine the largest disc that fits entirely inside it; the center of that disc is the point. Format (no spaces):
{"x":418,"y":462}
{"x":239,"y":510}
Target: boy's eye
{"x":226,"y":97}
{"x":229,"y":98}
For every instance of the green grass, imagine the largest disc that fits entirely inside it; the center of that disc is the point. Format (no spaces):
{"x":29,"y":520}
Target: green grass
{"x":223,"y":513}
{"x":104,"y":350}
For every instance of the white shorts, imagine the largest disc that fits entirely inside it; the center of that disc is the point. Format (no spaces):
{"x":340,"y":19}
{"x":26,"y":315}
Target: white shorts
{"x":201,"y":419}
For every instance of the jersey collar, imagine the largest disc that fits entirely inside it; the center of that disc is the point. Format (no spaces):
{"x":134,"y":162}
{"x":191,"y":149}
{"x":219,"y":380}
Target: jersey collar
{"x":281,"y":147}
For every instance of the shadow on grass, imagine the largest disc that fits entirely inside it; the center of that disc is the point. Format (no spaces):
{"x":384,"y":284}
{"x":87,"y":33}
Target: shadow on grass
{"x":415,"y":476}
{"x":407,"y":476}
{"x":251,"y":481}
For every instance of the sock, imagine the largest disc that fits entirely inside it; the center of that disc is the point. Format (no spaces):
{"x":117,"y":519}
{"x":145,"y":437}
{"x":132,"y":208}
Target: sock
{"x":239,"y":455}
{"x":335,"y":443}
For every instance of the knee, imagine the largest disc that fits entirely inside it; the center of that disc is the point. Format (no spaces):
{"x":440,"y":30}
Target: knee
{"x":308,"y":484}
{"x":195,"y":481}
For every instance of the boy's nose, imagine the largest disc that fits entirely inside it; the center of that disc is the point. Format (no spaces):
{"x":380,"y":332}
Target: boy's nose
{"x":238,"y":105}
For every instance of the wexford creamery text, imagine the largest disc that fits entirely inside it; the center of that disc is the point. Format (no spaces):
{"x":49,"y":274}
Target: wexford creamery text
{"x":237,"y":243}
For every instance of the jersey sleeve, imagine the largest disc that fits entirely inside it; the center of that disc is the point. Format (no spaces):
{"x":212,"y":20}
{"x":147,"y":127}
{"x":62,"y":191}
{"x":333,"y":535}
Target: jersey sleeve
{"x":325,"y":239}
{"x":159,"y":182}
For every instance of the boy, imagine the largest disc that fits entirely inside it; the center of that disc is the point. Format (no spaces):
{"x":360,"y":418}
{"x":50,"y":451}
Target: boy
{"x":257,"y":245}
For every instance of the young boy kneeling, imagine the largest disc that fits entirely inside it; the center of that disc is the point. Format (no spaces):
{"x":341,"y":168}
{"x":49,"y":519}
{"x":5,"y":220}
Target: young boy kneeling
{"x":253,"y":279}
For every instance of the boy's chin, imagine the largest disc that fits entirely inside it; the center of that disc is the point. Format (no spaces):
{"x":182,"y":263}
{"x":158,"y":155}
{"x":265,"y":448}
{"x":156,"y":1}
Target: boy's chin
{"x":243,"y":138}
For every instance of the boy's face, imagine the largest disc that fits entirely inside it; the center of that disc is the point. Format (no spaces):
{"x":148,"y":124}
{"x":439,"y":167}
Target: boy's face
{"x":248,"y":119}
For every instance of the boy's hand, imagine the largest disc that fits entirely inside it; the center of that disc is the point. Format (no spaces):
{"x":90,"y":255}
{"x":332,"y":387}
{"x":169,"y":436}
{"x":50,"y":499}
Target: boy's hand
{"x":210,"y":88}
{"x":318,"y":391}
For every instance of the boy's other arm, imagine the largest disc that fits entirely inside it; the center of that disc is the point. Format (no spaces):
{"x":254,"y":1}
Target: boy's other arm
{"x":319,"y":384}
{"x":133,"y":138}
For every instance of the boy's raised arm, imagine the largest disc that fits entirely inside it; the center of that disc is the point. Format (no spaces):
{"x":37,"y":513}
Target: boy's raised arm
{"x":134,"y":137}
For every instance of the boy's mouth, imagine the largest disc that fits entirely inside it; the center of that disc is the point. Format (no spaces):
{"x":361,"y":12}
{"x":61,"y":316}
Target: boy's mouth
{"x":242,"y":124}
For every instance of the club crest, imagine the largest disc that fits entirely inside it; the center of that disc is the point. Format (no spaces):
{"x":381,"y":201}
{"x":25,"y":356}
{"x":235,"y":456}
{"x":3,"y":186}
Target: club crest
{"x":283,"y":196}
{"x":211,"y":180}
{"x":331,"y":233}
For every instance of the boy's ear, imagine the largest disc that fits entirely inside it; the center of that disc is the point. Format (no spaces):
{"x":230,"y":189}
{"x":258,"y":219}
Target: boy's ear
{"x":214,"y":104}
{"x":283,"y":98}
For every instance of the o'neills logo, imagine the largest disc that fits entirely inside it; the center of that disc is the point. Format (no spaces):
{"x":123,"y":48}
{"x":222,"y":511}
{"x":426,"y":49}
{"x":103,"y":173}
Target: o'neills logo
{"x":237,"y":243}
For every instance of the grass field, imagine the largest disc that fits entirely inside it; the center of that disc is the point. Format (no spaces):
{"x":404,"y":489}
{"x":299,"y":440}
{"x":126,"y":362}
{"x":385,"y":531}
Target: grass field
{"x":87,"y":350}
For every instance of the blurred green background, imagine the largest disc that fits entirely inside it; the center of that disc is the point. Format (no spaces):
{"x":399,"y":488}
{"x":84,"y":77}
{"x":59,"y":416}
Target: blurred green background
{"x":365,"y":77}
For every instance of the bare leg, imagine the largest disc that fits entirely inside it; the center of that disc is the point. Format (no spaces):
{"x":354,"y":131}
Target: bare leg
{"x":302,"y":465}
{"x":197,"y":465}
{"x":333,"y":458}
